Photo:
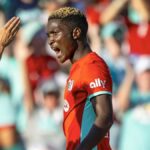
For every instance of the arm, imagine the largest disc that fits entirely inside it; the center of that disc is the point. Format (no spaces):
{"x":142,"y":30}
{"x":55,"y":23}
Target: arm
{"x":102,"y":105}
{"x":123,"y":94}
{"x":8,"y":32}
{"x":112,"y":11}
{"x":22,"y":58}
{"x":94,"y":37}
{"x":28,"y":93}
{"x":142,"y":7}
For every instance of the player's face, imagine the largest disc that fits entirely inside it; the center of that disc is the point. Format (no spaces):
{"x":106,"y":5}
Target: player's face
{"x":60,"y":40}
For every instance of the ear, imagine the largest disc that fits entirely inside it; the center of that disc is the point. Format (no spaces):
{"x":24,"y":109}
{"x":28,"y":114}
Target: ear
{"x":76,"y":33}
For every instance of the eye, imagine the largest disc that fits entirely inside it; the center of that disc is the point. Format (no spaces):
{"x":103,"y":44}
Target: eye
{"x":54,"y":33}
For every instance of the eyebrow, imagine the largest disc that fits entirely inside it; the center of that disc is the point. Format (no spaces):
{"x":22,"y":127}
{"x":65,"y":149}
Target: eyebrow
{"x":49,"y":32}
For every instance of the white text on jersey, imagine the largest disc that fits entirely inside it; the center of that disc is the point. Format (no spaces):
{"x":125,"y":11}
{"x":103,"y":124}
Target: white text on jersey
{"x":98,"y":83}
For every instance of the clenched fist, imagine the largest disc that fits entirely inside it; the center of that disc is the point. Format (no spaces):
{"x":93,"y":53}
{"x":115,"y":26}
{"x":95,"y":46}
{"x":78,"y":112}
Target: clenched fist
{"x":8,"y":32}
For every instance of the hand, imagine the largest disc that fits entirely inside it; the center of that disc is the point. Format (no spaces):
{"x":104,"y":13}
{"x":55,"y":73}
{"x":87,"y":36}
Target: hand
{"x":8,"y":32}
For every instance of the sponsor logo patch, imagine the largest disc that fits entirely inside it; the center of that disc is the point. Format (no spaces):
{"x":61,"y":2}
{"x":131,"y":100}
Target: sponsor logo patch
{"x":98,"y":83}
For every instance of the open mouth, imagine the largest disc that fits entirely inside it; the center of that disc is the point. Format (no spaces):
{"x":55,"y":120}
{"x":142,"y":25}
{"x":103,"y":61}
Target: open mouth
{"x":57,"y":51}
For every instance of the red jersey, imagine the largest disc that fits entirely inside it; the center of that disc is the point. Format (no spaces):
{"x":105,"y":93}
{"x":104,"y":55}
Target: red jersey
{"x":89,"y":77}
{"x":40,"y":67}
{"x":138,"y":43}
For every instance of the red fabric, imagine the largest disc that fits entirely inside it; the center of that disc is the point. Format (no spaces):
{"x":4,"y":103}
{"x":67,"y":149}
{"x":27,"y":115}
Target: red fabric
{"x":73,"y":129}
{"x":104,"y":1}
{"x":88,"y":76}
{"x":139,"y":45}
{"x":93,"y":14}
{"x":40,"y":67}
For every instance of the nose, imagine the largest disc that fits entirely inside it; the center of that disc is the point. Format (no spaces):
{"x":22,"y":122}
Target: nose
{"x":51,"y":43}
{"x":50,"y":40}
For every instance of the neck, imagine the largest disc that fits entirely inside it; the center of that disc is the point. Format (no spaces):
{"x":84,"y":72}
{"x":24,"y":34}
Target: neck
{"x":82,"y":50}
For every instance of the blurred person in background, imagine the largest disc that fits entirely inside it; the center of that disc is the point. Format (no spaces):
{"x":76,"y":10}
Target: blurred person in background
{"x":44,"y":126}
{"x":136,"y":43}
{"x":112,"y":36}
{"x":37,"y":66}
{"x":134,"y":101}
{"x":36,"y":63}
{"x":80,"y":4}
{"x":19,"y":6}
{"x":9,"y":67}
{"x":137,"y":22}
{"x":8,"y":135}
{"x":48,"y":6}
{"x":93,"y":12}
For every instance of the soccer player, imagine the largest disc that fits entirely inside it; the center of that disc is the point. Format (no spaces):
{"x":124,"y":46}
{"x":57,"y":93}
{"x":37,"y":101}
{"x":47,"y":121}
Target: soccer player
{"x":88,"y":113}
{"x":8,"y":32}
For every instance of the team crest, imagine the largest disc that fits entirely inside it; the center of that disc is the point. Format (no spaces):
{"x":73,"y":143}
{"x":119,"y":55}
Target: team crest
{"x":70,"y":85}
{"x":66,"y":106}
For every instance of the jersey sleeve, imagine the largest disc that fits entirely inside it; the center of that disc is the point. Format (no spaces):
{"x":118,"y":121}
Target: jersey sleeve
{"x":97,"y":79}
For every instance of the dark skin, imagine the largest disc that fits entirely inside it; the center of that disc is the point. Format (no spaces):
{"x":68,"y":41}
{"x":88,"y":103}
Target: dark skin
{"x":102,"y":105}
{"x":69,"y":47}
{"x":68,"y":44}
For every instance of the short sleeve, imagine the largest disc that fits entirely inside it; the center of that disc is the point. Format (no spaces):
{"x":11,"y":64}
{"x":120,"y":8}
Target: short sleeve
{"x":97,"y":79}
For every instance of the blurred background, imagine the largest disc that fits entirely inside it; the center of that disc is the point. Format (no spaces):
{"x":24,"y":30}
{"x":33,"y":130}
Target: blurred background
{"x":32,"y":81}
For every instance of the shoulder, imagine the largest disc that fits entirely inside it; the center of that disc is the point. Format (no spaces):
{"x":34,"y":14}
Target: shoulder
{"x":95,"y":63}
